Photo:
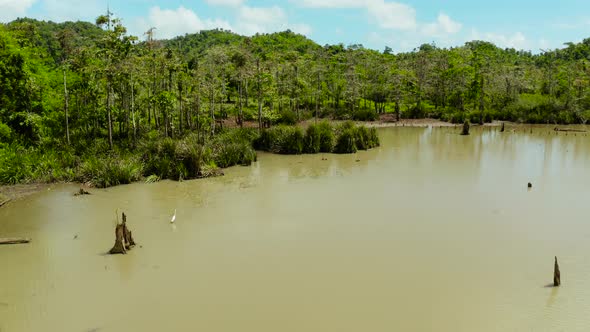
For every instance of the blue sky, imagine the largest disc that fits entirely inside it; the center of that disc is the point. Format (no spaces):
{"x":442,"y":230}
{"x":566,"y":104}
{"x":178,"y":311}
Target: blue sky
{"x":402,"y":25}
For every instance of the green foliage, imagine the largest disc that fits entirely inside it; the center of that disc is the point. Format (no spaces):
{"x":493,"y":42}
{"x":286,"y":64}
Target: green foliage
{"x":312,"y":139}
{"x":110,"y":170}
{"x":351,"y":138}
{"x":319,"y":138}
{"x":5,"y":133}
{"x":346,"y":141}
{"x":234,"y":147}
{"x":322,"y":137}
{"x":365,"y":115}
{"x":326,"y":136}
{"x":287,"y":118}
{"x":282,"y":139}
{"x":162,"y":101}
{"x":16,"y":165}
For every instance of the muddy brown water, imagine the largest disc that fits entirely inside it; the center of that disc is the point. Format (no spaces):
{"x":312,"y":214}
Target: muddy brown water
{"x":431,"y":231}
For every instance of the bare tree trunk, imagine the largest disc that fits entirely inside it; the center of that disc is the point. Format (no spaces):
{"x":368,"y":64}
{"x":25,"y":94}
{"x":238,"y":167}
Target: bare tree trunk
{"x":110,"y":124}
{"x":180,"y":109}
{"x":66,"y":107}
{"x":259,"y":96}
{"x":133,"y":110}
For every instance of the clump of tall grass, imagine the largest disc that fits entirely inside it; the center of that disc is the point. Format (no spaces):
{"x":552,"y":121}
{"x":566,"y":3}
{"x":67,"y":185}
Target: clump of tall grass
{"x":26,"y":165}
{"x":322,"y":137}
{"x":319,"y":138}
{"x":282,"y":139}
{"x":15,"y":165}
{"x":233,"y":147}
{"x":110,"y":170}
{"x":351,"y":138}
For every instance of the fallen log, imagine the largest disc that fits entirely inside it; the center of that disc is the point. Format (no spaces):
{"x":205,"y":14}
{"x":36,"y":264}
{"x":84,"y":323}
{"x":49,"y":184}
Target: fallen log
{"x":570,"y":130}
{"x":4,"y":202}
{"x":14,"y":240}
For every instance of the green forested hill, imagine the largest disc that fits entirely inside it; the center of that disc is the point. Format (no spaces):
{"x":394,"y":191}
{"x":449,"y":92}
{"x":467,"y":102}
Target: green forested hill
{"x":76,"y":85}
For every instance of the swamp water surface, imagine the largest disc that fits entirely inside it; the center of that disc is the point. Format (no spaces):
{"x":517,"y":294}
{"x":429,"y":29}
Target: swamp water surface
{"x":430,"y":232}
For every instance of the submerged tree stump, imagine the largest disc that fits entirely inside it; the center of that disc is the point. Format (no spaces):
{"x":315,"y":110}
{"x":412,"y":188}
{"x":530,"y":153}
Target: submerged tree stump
{"x":503,"y":127}
{"x":123,"y":238}
{"x":81,"y":192}
{"x":556,"y":274}
{"x":466,"y":126}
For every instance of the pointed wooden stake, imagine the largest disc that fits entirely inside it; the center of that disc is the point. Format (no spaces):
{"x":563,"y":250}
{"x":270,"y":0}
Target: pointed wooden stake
{"x":556,"y":274}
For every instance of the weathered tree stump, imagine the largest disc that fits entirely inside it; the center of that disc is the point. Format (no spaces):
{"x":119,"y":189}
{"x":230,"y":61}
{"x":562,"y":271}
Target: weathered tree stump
{"x":127,"y":233}
{"x":530,"y":185}
{"x":556,"y":274}
{"x":503,"y":127}
{"x":119,"y":247}
{"x":466,"y":126}
{"x":123,"y":238}
{"x":81,"y":192}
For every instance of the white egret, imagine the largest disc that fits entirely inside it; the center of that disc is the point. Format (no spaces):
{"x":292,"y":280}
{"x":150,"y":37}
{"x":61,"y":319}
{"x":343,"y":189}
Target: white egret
{"x":173,"y":217}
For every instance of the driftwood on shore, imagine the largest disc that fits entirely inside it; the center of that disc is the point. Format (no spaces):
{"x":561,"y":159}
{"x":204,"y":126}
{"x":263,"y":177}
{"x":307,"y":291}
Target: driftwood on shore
{"x":556,"y":274}
{"x":123,"y":238}
{"x":14,"y":240}
{"x":570,"y":130}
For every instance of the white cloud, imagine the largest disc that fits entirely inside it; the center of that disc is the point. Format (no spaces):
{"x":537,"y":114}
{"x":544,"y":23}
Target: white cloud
{"x":251,"y":20}
{"x":333,"y":3}
{"x":248,"y":21}
{"x":170,"y":23}
{"x":300,"y":28}
{"x":392,"y":15}
{"x":12,"y":9}
{"x":444,"y":25}
{"x":516,"y":40}
{"x":229,"y":3}
{"x":70,"y":10}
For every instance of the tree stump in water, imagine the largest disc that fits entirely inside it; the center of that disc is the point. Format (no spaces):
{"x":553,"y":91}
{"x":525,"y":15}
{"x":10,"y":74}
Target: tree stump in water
{"x":123,"y":238}
{"x":556,"y":274}
{"x":503,"y":127}
{"x":81,"y":192}
{"x":466,"y":126}
{"x":127,"y":234}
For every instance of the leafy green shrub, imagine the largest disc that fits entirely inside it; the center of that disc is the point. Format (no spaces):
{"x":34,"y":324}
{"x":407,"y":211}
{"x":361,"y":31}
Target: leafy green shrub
{"x":15,"y":165}
{"x":365,"y":115}
{"x":287,"y":118}
{"x":5,"y":132}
